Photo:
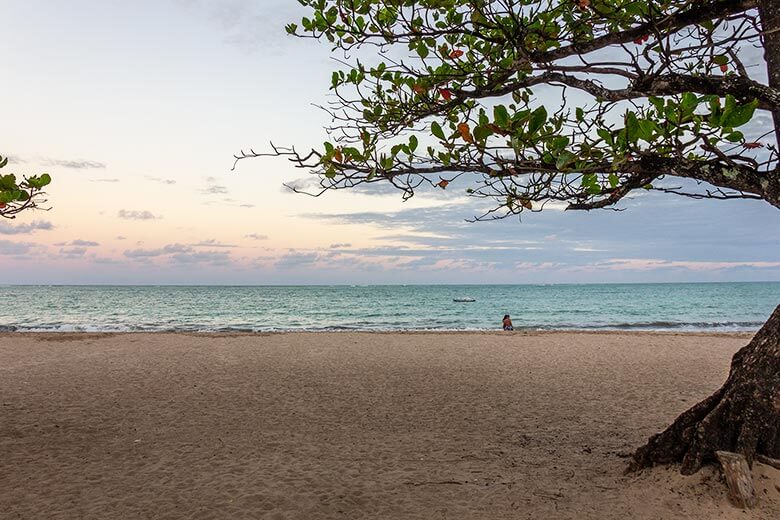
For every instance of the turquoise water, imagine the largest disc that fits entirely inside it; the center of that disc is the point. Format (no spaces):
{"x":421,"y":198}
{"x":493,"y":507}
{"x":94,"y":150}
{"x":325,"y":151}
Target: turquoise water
{"x":710,"y":307}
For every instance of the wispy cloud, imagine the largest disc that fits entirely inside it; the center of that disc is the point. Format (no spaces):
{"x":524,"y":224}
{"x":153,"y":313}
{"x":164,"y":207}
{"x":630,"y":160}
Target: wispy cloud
{"x":340,"y":245}
{"x":296,"y":259}
{"x":256,"y":236}
{"x":21,"y":229}
{"x":651,"y":264}
{"x":78,"y":164}
{"x":137,"y":215}
{"x":84,"y":243}
{"x":215,"y":189}
{"x":165,"y":250}
{"x":161,"y":180}
{"x":212,"y":188}
{"x":202,"y":257}
{"x":73,"y":252}
{"x":104,"y":180}
{"x":212,"y":242}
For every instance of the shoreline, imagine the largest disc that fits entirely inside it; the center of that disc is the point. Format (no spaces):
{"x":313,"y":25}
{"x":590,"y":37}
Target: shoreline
{"x":433,"y":332}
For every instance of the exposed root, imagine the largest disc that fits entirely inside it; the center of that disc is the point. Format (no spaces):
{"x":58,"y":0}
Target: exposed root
{"x":742,"y":417}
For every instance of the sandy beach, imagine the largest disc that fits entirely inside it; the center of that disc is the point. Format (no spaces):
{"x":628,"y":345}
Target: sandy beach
{"x":355,"y":425}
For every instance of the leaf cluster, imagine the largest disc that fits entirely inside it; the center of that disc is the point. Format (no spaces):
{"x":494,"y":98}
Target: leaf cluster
{"x":18,"y":195}
{"x":443,"y":90}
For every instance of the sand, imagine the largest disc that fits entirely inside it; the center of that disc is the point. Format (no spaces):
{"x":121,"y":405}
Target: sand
{"x":355,"y":425}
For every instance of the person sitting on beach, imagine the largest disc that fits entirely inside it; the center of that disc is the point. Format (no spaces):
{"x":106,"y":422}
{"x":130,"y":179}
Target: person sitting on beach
{"x":508,"y":323}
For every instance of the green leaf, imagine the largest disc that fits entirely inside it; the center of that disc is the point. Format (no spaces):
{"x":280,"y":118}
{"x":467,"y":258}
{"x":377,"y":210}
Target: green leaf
{"x":413,"y":143}
{"x":738,"y":115}
{"x":8,"y":182}
{"x":11,"y":196}
{"x":481,"y":133}
{"x":437,"y":131}
{"x":501,"y":116}
{"x":646,"y":129}
{"x":735,"y":137}
{"x":721,"y":59}
{"x":565,"y":158}
{"x":538,"y":118}
{"x":606,"y":135}
{"x":688,"y":103}
{"x":632,"y":127}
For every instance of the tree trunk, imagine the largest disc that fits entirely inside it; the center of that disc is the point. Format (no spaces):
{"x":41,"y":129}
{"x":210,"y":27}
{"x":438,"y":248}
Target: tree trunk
{"x":769,"y":11}
{"x":742,"y":417}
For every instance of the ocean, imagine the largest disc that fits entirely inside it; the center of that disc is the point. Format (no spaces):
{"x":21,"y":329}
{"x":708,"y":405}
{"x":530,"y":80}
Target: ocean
{"x":676,"y":307}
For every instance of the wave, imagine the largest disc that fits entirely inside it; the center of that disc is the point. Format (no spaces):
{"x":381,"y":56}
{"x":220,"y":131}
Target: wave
{"x":660,"y":325}
{"x":688,"y":326}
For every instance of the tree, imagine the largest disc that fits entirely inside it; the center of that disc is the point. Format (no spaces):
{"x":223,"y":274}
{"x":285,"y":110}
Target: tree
{"x":16,"y":196}
{"x":647,"y":95}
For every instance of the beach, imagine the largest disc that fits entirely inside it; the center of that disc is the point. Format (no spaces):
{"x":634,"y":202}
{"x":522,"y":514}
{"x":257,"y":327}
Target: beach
{"x":356,"y":425}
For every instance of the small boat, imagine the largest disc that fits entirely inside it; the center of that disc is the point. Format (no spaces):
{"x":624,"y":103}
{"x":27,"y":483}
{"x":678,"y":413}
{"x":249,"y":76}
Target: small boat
{"x":463,"y":300}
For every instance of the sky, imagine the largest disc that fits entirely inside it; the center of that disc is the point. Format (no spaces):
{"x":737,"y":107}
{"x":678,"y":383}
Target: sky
{"x":136,"y":109}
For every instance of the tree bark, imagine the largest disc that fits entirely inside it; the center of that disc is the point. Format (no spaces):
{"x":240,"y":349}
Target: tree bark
{"x":742,"y":417}
{"x":769,"y":11}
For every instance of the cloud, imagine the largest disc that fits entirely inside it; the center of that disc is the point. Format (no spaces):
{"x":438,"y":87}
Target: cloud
{"x":183,"y":254}
{"x":78,"y":164}
{"x":106,"y":261}
{"x":21,"y":229}
{"x":215,"y":189}
{"x":161,"y":180}
{"x":647,"y":264}
{"x":586,"y":249}
{"x":120,"y":237}
{"x":84,"y":243}
{"x":104,"y":180}
{"x":74,"y":252}
{"x":256,"y":236}
{"x":295,"y":259}
{"x":202,"y":257}
{"x":136,"y":215}
{"x":226,"y":201}
{"x":15,"y":248}
{"x":165,"y":250}
{"x":212,"y":188}
{"x":212,"y":242}
{"x":340,"y":246}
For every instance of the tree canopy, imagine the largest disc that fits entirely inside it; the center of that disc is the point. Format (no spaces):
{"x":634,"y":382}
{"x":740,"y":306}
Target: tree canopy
{"x":532,"y":102}
{"x":17,"y":196}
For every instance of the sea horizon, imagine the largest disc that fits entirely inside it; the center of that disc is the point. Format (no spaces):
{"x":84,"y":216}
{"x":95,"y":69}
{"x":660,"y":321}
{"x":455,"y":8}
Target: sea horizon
{"x":432,"y":284}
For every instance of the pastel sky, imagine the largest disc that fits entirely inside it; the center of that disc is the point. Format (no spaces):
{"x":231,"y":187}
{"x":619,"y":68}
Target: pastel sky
{"x":136,"y":108}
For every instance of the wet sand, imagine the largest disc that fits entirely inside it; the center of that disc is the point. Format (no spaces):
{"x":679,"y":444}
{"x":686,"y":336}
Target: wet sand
{"x":355,"y":425}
